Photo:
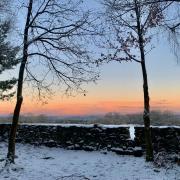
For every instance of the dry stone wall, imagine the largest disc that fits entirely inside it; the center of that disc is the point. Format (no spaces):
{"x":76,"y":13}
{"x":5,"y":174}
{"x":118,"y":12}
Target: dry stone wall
{"x":95,"y":137}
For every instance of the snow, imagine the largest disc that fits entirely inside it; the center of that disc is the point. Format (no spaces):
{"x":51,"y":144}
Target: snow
{"x":132,"y":132}
{"x":77,"y":125}
{"x":92,"y":125}
{"x":43,"y":163}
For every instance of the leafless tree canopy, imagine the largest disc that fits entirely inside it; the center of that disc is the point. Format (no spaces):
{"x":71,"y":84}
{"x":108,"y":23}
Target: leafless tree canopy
{"x":172,"y":26}
{"x":123,"y":42}
{"x":170,"y":23}
{"x":57,"y":41}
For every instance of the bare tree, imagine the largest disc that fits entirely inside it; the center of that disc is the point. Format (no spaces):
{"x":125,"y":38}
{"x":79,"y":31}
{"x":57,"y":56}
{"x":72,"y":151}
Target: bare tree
{"x":131,"y":26}
{"x":170,"y":23}
{"x":54,"y":37}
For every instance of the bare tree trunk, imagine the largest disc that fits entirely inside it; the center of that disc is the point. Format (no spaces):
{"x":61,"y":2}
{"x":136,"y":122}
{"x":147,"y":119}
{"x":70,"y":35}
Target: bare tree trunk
{"x":146,"y":115}
{"x":12,"y":137}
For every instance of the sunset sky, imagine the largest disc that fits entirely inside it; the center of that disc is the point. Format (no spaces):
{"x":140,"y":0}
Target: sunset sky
{"x":118,"y":90}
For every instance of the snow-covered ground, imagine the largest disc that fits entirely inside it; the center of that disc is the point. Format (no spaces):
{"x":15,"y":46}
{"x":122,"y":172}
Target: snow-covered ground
{"x":42,"y":163}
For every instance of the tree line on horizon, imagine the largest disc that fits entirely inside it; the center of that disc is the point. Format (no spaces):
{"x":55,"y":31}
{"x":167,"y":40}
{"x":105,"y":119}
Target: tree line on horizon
{"x":59,"y":43}
{"x":158,"y":118}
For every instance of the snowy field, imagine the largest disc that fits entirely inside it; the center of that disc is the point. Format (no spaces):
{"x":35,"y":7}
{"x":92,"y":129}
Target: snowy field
{"x":43,"y":163}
